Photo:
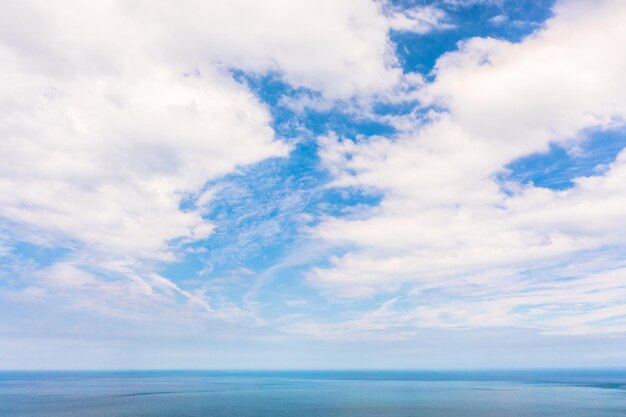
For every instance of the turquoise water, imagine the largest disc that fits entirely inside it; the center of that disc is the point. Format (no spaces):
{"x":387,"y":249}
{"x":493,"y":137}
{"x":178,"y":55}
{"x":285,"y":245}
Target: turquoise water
{"x":320,"y":394}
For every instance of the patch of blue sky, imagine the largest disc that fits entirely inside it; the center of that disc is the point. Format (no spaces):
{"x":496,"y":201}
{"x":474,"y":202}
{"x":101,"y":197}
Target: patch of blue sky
{"x":346,"y":125}
{"x":43,"y":255}
{"x":401,"y":108}
{"x":260,"y":212}
{"x":271,"y":89}
{"x":188,"y":267}
{"x":289,"y":123}
{"x":557,"y":168}
{"x":284,"y":289}
{"x":346,"y":202}
{"x":18,"y":259}
{"x":510,"y":20}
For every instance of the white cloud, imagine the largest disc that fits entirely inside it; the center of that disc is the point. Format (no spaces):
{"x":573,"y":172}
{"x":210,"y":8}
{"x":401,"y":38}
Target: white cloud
{"x":121,"y":293}
{"x":498,"y":19}
{"x":106,"y":161}
{"x":420,"y":20}
{"x":337,"y":48}
{"x":444,"y":215}
{"x":585,"y":305}
{"x":467,"y":3}
{"x":113,"y":112}
{"x":116,"y":114}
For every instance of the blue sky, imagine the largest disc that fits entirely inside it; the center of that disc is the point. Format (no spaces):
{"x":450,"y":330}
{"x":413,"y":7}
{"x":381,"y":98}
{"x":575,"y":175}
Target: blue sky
{"x":313,"y":184}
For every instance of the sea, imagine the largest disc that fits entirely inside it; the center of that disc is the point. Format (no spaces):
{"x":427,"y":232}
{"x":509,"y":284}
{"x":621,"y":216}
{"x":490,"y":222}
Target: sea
{"x":527,"y":393}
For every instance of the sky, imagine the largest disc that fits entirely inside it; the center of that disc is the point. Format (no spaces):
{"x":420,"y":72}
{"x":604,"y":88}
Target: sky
{"x":312,"y":184}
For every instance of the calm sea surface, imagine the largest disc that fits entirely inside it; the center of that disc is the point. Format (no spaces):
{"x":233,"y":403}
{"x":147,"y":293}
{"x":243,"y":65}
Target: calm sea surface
{"x":320,"y":394}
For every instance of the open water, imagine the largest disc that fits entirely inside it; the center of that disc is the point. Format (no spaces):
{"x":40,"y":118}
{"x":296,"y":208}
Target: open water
{"x":560,"y":393}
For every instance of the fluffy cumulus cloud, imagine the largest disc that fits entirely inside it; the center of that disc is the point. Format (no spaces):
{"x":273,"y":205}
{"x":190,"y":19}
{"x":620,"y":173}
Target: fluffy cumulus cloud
{"x":420,"y":20}
{"x":448,"y":225}
{"x":115,"y":114}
